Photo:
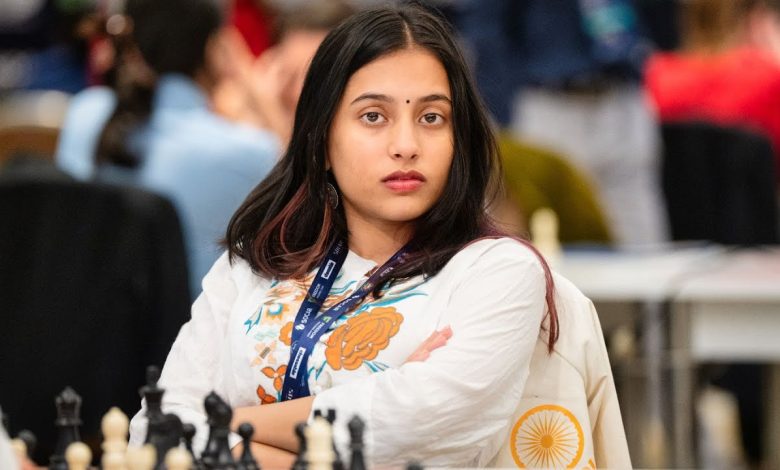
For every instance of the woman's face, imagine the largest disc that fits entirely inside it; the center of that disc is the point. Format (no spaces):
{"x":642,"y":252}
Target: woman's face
{"x":390,"y":145}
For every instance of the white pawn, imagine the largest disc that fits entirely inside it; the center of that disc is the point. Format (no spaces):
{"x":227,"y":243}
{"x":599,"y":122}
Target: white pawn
{"x":114,"y":426}
{"x":78,"y":456}
{"x":141,"y":458}
{"x":544,"y":232}
{"x":178,"y":459}
{"x":319,"y":445}
{"x":20,"y":449}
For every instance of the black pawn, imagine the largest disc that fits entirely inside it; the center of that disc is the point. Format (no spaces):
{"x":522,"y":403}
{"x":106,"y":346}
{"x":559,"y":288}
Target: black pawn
{"x":247,"y":461}
{"x":68,"y":421}
{"x":217,"y":455}
{"x":188,"y":433}
{"x":414,"y":465}
{"x":357,"y":459}
{"x":300,"y":461}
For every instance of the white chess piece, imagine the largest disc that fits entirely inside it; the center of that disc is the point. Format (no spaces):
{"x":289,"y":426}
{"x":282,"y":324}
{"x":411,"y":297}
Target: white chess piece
{"x":19,"y":448}
{"x":114,"y":426}
{"x":78,"y":456}
{"x":141,"y":458}
{"x":178,"y":459}
{"x":544,"y":231}
{"x":319,"y":445}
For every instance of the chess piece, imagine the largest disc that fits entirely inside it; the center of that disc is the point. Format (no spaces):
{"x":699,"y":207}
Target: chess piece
{"x":68,"y":421}
{"x":20,"y":449}
{"x":414,"y":465}
{"x":114,"y":426}
{"x":78,"y":456}
{"x":217,"y":454}
{"x":356,"y":429}
{"x":319,"y":445}
{"x":178,"y":459}
{"x":300,"y":460}
{"x":153,"y":394}
{"x":141,"y":458}
{"x":188,"y":433}
{"x":164,"y":431}
{"x":30,"y":441}
{"x":544,"y":231}
{"x":247,"y":460}
{"x":330,"y":417}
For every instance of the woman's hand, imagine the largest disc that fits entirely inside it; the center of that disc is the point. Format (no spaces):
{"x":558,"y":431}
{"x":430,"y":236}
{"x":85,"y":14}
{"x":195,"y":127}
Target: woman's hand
{"x":436,"y":340}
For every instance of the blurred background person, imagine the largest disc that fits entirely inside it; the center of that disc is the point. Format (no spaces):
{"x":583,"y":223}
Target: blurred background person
{"x":728,"y":70}
{"x":155,"y":128}
{"x":566,"y":75}
{"x":264,"y":91}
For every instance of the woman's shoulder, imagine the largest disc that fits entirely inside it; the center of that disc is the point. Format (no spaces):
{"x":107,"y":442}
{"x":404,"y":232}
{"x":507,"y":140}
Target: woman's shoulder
{"x":233,"y":273}
{"x":514,"y":257}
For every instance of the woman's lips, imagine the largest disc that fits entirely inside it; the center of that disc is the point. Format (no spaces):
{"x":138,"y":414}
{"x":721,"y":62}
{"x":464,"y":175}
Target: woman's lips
{"x":403,"y":181}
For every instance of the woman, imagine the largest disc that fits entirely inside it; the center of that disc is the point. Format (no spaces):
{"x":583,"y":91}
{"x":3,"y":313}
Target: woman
{"x":728,"y":72}
{"x":388,"y":166}
{"x":156,"y":129}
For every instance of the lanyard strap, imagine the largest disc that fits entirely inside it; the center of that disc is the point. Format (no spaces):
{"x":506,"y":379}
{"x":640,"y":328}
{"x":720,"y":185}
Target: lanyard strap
{"x":309,"y":327}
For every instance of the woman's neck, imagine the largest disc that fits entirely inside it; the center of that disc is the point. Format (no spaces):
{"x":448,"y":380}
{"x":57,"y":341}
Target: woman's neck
{"x":377,"y":241}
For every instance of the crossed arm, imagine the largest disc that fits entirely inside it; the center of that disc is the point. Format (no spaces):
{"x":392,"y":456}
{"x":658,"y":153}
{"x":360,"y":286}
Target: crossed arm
{"x":274,"y":442}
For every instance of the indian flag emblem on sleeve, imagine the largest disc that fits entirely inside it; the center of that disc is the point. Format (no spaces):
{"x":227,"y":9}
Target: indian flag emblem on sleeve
{"x":547,"y":436}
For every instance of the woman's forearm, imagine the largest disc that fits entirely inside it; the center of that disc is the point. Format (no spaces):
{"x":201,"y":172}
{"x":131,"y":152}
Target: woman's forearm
{"x":275,"y":423}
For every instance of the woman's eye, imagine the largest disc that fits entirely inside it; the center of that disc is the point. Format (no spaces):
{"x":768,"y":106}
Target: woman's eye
{"x":432,"y":118}
{"x":372,"y":117}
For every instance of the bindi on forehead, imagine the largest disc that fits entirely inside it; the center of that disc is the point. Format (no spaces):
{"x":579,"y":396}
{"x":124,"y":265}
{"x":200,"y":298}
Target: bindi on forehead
{"x":407,"y":101}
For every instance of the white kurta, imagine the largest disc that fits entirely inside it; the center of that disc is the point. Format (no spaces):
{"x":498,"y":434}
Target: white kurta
{"x":454,"y":409}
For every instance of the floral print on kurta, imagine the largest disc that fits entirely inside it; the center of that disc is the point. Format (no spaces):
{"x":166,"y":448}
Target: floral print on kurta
{"x":354,"y":341}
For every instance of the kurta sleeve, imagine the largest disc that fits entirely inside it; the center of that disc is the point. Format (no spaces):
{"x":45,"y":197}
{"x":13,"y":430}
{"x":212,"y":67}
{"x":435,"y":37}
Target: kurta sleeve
{"x":454,"y":409}
{"x":193,"y":365}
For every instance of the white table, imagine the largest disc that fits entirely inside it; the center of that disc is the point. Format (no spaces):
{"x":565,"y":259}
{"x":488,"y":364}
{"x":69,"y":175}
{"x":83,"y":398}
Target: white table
{"x":651,"y":279}
{"x":729,"y":313}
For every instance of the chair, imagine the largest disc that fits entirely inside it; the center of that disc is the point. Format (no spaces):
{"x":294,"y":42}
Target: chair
{"x":719,"y":184}
{"x":537,"y":178}
{"x":93,"y":288}
{"x":568,"y":416}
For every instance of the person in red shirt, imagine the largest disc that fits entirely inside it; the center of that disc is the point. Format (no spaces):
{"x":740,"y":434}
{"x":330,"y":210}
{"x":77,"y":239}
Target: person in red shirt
{"x":728,"y":71}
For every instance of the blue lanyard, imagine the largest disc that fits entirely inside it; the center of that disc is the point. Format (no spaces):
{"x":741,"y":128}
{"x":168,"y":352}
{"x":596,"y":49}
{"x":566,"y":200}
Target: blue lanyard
{"x":309,"y":327}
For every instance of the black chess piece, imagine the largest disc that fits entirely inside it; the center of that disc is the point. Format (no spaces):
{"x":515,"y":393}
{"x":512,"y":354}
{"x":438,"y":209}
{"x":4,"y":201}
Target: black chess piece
{"x":68,"y":421}
{"x":163,"y":431}
{"x":217,"y":455}
{"x":414,"y":465}
{"x":356,"y":427}
{"x":247,"y":460}
{"x":300,"y":461}
{"x":153,"y":394}
{"x":188,"y":433}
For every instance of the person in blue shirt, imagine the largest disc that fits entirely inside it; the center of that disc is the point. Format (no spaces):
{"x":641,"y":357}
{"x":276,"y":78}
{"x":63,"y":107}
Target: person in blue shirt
{"x":154,"y":129}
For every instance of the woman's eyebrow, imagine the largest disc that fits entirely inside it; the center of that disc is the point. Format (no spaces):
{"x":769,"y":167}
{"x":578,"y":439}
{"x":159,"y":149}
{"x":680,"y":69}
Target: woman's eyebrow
{"x":388,"y":99}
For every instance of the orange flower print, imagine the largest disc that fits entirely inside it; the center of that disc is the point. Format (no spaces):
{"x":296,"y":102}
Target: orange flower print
{"x":285,"y":335}
{"x":265,"y":398}
{"x":362,"y":337}
{"x":277,"y":375}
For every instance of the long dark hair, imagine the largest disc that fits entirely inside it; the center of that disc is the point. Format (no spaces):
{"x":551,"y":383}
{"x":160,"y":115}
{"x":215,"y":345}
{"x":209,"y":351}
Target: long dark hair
{"x":171,"y":37}
{"x":286,"y":224}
